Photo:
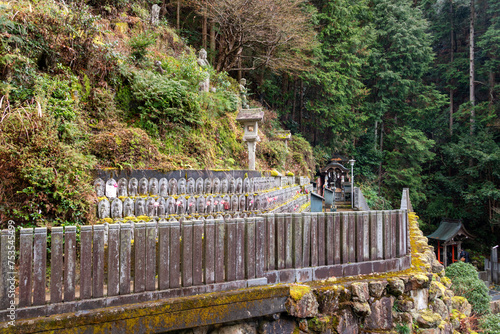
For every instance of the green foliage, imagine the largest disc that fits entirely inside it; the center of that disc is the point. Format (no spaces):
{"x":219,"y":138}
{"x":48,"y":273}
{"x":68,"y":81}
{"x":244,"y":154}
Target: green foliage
{"x":44,"y":178}
{"x":466,"y":283}
{"x":490,"y":323}
{"x":163,"y":102}
{"x":273,"y":152}
{"x":403,"y":329}
{"x":140,"y":43}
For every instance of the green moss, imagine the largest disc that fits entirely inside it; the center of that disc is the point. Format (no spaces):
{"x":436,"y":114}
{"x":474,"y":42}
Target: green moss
{"x":298,"y":291}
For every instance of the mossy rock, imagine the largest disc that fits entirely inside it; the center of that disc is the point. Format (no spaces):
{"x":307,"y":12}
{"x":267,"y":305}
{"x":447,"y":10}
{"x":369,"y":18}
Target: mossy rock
{"x":298,"y":291}
{"x":428,"y":319}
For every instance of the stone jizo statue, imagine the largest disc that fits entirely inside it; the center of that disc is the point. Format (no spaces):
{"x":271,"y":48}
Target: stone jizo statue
{"x":143,"y":186}
{"x":132,"y":187}
{"x":204,"y":86}
{"x":243,"y":94}
{"x":128,"y":208}
{"x":116,"y":208}
{"x":99,"y":187}
{"x":155,"y":14}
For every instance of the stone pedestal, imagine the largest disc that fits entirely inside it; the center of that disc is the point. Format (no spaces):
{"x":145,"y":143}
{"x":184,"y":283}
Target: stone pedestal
{"x":250,"y":119}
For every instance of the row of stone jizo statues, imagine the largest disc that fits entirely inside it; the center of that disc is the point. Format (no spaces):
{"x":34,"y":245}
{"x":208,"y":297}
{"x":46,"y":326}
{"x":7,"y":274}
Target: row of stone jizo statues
{"x":164,"y":187}
{"x":164,"y":206}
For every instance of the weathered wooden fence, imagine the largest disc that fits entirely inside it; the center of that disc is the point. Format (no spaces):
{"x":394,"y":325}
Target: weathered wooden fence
{"x":153,"y":260}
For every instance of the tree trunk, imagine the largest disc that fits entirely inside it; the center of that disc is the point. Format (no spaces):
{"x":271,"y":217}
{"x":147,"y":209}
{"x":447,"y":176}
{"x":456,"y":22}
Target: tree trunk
{"x":491,"y":90}
{"x":381,"y":149}
{"x":471,"y":63}
{"x":452,"y":54}
{"x":301,"y":103}
{"x":375,"y":136}
{"x":294,"y":98}
{"x":284,"y":91}
{"x":178,"y":14}
{"x":239,"y":71}
{"x":204,"y":26}
{"x":212,"y":42}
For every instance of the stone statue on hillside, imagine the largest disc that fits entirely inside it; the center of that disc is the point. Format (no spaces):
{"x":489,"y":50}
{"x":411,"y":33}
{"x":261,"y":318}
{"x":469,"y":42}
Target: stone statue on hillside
{"x":155,"y":15}
{"x":243,"y":94}
{"x":204,"y":85}
{"x":99,"y":187}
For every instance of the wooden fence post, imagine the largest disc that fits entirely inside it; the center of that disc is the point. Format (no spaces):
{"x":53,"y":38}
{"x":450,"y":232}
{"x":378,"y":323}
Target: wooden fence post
{"x":209,"y":251}
{"x":56,"y":265}
{"x":25,"y":266}
{"x":260,"y":246}
{"x":125,"y":258}
{"x":98,"y":262}
{"x":297,"y":219}
{"x":69,"y":263}
{"x":250,"y":252}
{"x":198,"y":228}
{"x":163,"y":255}
{"x":288,"y":241}
{"x":187,"y":253}
{"x":139,"y":257}
{"x":86,"y":262}
{"x":150,"y":256}
{"x":39,"y":265}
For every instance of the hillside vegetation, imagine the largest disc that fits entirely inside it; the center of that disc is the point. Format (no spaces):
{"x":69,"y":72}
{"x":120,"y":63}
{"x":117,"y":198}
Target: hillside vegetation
{"x":85,"y":86}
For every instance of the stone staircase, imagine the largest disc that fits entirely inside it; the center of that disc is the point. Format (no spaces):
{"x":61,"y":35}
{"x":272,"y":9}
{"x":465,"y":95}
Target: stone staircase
{"x":341,"y":207}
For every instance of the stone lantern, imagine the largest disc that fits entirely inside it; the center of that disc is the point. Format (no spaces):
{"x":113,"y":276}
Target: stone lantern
{"x":250,"y":119}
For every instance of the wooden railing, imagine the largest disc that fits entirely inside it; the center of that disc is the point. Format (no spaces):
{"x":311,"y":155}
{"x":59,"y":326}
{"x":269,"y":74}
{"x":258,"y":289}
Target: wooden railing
{"x":153,"y":260}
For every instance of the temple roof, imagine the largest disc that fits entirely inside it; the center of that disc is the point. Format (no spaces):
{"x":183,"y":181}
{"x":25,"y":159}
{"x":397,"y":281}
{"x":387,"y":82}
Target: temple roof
{"x":448,"y":229}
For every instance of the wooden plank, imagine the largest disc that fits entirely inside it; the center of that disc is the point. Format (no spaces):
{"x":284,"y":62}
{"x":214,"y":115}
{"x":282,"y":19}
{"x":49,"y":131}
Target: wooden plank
{"x":306,"y":239}
{"x":260,"y":244}
{"x":209,"y":252}
{"x":25,"y":267}
{"x":230,"y":250}
{"x":240,"y":249}
{"x":69,"y":263}
{"x":314,"y":239}
{"x":288,"y":241}
{"x":39,"y":265}
{"x":198,"y":229}
{"x":344,"y":237}
{"x":86,"y":262}
{"x":150,"y":253}
{"x":386,"y":221}
{"x":7,"y":266}
{"x":139,"y":257}
{"x":321,"y":239}
{"x":337,"y":237}
{"x":113,"y":259}
{"x":280,"y":240}
{"x":329,"y":243}
{"x":56,"y":265}
{"x":187,"y":253}
{"x":175,"y":254}
{"x":359,"y":231}
{"x":271,"y":241}
{"x":98,"y":262}
{"x":250,"y":248}
{"x":220,"y":256}
{"x":125,"y":258}
{"x":373,"y":235}
{"x":394,"y":234}
{"x":163,"y":255}
{"x":297,"y":239}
